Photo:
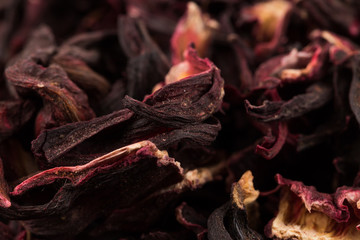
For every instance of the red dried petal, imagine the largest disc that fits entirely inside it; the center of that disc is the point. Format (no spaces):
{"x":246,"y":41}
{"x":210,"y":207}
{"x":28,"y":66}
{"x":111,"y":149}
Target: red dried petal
{"x":63,"y":101}
{"x":195,"y":95}
{"x":5,"y":201}
{"x":87,"y":192}
{"x":194,"y":27}
{"x":301,"y":206}
{"x":272,"y":19}
{"x":272,"y":151}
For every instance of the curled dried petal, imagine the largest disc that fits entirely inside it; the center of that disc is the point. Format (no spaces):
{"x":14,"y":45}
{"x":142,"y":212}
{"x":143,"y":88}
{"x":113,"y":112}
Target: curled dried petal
{"x":63,"y":101}
{"x":91,"y":190}
{"x":313,"y":70}
{"x":271,"y":151}
{"x":194,"y":98}
{"x":304,"y":213}
{"x":341,"y":49}
{"x":192,"y":220}
{"x":194,"y":27}
{"x":147,"y":65}
{"x":230,"y":221}
{"x":316,"y":96}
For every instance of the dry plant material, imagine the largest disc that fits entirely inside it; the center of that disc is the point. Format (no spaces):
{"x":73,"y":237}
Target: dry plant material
{"x":168,"y":119}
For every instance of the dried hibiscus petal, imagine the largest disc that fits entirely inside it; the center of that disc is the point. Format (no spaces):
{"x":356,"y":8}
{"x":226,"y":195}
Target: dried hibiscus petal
{"x":268,"y":74}
{"x":194,"y":27}
{"x":314,"y":70}
{"x":271,"y":146}
{"x":202,"y":134}
{"x":29,"y":74}
{"x":140,"y":217}
{"x":63,"y":101}
{"x":195,"y":91}
{"x":147,"y":65}
{"x":341,"y":49}
{"x":70,"y":135}
{"x":230,"y":220}
{"x":304,"y":213}
{"x":82,"y":75}
{"x":192,"y":220}
{"x":117,"y":185}
{"x":272,"y":18}
{"x":315,"y":97}
{"x":157,"y":118}
{"x":90,"y":113}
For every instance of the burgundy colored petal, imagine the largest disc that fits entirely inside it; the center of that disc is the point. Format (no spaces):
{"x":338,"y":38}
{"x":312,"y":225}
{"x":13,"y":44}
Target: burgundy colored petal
{"x":313,"y":200}
{"x":202,"y":134}
{"x":147,"y":65}
{"x":196,"y":96}
{"x":69,"y":136}
{"x":314,"y":70}
{"x":76,"y":202}
{"x":192,"y":220}
{"x":268,"y":148}
{"x":91,"y":110}
{"x":306,"y":65}
{"x":63,"y":101}
{"x":157,"y":118}
{"x":83,"y":76}
{"x":273,"y":67}
{"x":140,"y":217}
{"x":341,"y":49}
{"x":301,"y":205}
{"x":315,"y":97}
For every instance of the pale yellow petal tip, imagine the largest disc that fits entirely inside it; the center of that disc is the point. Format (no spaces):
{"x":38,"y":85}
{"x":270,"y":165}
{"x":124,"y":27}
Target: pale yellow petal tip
{"x":244,"y":192}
